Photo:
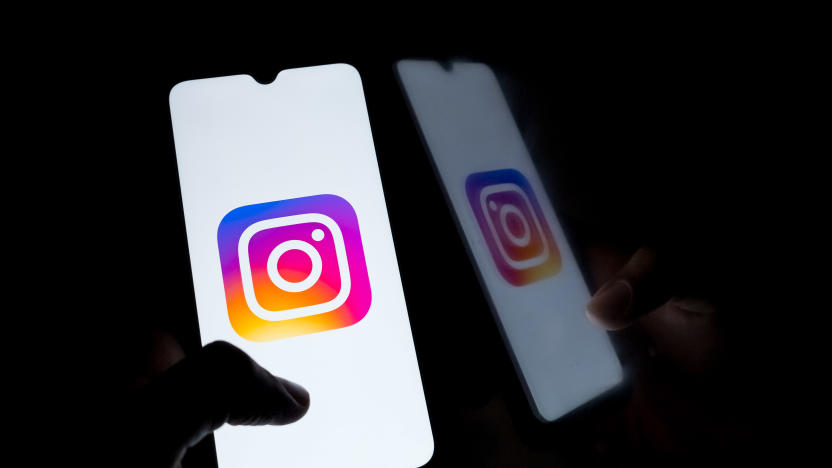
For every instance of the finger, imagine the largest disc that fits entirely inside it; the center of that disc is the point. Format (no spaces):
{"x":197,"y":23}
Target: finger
{"x":221,"y":384}
{"x":639,"y":287}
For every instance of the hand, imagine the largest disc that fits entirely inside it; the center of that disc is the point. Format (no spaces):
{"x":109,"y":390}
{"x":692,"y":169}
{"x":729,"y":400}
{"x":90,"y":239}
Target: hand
{"x":641,"y":294}
{"x":220,"y":384}
{"x":686,"y":400}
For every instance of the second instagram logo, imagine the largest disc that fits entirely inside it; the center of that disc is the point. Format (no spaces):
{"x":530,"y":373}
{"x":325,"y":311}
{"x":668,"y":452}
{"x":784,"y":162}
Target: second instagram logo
{"x":293,"y":267}
{"x":512,"y":223}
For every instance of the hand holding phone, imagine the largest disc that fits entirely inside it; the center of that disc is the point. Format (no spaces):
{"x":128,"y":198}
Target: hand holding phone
{"x":293,"y":262}
{"x":687,"y":400}
{"x":219,"y":385}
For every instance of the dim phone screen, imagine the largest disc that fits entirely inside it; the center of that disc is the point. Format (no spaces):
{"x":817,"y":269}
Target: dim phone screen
{"x":514,"y":238}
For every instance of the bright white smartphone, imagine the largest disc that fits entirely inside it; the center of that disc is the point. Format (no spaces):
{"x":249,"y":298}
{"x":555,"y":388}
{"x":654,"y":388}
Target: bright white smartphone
{"x":293,"y":261}
{"x":525,"y":264}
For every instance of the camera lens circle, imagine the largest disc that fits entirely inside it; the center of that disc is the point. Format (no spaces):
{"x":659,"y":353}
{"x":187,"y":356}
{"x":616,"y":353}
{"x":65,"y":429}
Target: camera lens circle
{"x":523,"y":239}
{"x":280,"y":281}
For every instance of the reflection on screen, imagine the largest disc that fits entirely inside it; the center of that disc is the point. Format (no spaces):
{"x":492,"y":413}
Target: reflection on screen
{"x":513,"y":236}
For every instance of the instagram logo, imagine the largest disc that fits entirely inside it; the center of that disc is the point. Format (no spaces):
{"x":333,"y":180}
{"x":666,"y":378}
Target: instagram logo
{"x":513,"y":226}
{"x":293,"y":267}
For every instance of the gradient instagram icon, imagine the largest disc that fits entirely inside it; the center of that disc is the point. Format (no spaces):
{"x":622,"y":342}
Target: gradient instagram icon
{"x":513,"y":226}
{"x":293,"y":267}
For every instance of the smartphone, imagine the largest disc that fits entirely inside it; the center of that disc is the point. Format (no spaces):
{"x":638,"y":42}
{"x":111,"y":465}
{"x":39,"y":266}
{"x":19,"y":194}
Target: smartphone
{"x":525,"y":264}
{"x":293,"y":261}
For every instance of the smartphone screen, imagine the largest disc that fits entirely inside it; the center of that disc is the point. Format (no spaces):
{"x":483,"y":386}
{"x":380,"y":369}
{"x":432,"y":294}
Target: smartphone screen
{"x":525,"y":264}
{"x":293,"y":261}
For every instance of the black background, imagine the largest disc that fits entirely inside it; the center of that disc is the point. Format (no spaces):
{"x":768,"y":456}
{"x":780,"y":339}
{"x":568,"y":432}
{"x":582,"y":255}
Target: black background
{"x":652,"y":138}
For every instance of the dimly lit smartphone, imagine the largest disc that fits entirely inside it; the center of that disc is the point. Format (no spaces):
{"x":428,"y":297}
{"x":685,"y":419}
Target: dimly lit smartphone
{"x":514,"y":238}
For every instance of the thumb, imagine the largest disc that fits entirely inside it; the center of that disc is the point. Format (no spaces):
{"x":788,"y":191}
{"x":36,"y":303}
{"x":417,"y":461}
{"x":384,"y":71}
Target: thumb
{"x":635,"y":290}
{"x":220,"y":384}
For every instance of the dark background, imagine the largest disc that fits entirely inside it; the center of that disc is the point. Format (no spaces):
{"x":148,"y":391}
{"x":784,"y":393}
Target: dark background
{"x":644,"y":139}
